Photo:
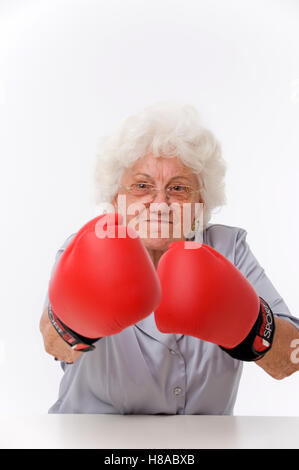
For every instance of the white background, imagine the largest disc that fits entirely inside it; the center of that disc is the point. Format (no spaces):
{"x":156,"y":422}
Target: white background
{"x":69,"y":71}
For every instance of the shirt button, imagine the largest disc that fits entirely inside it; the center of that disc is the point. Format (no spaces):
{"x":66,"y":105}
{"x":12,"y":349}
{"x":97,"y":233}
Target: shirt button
{"x":172,"y":352}
{"x":177,"y":391}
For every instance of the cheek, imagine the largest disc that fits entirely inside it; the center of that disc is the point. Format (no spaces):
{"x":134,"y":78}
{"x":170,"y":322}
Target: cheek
{"x":127,"y":208}
{"x":136,"y":217}
{"x":184,"y":214}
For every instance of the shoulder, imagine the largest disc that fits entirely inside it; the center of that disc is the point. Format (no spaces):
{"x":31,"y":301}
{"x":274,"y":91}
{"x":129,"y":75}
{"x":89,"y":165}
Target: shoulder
{"x":63,"y":246}
{"x":67,"y":241}
{"x":215,"y":231}
{"x":224,"y":238}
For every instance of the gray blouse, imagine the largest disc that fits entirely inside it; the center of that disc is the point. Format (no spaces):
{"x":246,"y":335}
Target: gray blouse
{"x":143,"y":371}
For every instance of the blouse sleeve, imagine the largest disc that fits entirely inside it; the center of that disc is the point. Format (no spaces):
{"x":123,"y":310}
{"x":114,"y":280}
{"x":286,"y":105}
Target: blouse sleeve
{"x":246,"y":262}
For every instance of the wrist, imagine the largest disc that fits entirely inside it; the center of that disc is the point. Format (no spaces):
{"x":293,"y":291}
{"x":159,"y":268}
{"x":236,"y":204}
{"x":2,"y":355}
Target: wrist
{"x":73,"y":339}
{"x":260,"y":338}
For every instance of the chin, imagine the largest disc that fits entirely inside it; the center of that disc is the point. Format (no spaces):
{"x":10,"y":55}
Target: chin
{"x":159,"y":244}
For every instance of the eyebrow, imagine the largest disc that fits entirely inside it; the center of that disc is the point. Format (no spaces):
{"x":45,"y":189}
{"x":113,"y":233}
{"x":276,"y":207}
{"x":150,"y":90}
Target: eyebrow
{"x":173,"y":178}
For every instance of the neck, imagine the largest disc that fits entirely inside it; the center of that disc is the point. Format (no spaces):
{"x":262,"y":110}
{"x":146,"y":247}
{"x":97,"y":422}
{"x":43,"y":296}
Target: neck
{"x":155,"y":256}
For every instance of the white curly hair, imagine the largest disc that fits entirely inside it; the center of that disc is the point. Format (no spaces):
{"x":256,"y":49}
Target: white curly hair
{"x":165,"y":129}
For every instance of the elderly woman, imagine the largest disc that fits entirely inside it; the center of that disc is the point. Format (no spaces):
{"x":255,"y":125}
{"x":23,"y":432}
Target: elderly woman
{"x":158,"y":162}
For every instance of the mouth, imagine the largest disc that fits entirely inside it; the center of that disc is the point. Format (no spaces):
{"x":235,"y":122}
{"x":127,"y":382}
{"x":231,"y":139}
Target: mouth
{"x":160,"y":221}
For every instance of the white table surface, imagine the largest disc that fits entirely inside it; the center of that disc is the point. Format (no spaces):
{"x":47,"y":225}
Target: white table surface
{"x":84,"y":431}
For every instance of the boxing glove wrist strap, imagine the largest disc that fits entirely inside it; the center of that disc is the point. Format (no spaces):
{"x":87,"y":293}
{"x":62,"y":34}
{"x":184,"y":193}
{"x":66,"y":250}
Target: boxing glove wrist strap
{"x":73,"y":339}
{"x":259,"y":340}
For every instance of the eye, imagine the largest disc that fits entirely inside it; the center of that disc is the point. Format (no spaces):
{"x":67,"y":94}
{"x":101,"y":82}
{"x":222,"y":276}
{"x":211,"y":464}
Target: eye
{"x":140,"y":187}
{"x":177,"y":188}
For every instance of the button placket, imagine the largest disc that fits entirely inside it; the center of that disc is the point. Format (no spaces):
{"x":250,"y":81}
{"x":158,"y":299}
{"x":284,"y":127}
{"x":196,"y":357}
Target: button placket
{"x":177,"y":391}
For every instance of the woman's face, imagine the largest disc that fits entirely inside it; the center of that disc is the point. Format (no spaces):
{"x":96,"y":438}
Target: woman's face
{"x":157,"y":198}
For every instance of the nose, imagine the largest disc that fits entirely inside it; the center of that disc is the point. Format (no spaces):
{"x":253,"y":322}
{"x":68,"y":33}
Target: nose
{"x":159,"y":207}
{"x":160,"y":195}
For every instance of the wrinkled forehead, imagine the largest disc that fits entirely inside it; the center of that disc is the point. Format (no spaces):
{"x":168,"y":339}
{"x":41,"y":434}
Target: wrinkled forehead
{"x":160,"y":169}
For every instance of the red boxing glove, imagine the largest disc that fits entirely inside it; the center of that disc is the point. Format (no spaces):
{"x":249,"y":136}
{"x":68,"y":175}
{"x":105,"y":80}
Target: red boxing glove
{"x":206,"y":296}
{"x":102,"y":283}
